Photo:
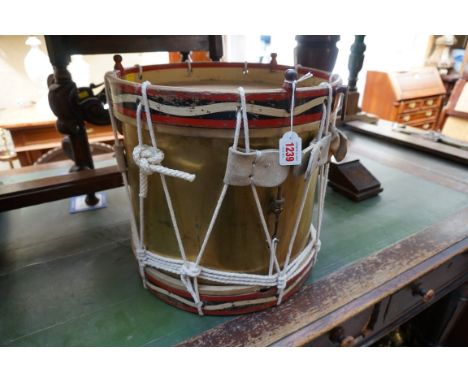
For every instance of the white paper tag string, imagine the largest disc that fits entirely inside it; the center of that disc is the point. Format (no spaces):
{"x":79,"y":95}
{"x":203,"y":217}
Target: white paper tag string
{"x":290,"y":144}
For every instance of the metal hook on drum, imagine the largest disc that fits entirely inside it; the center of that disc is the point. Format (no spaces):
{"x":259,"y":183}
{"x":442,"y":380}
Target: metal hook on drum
{"x":189,"y":64}
{"x":245,"y":71}
{"x":140,"y":71}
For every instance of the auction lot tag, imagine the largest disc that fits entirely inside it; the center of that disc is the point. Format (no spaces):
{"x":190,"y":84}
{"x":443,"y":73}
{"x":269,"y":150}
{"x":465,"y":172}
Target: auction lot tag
{"x":290,"y":149}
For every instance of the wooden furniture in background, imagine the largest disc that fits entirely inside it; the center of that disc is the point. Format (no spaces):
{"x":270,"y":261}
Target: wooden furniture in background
{"x":318,"y":52}
{"x":412,"y":97}
{"x":465,"y":60}
{"x":60,"y":48}
{"x":6,"y":154}
{"x":34,"y":133}
{"x":71,"y":119}
{"x":351,"y":179}
{"x":37,"y":191}
{"x":445,"y":323}
{"x":449,"y":81}
{"x":352,"y":111}
{"x":454,"y":119}
{"x":195,"y":56}
{"x":452,"y":77}
{"x":383,"y":131}
{"x":356,"y":59}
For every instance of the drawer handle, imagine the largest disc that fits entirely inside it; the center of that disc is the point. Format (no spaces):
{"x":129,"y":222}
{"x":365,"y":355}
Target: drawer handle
{"x":337,"y":336}
{"x":428,"y":113}
{"x":427,"y":295}
{"x":430,"y":102}
{"x":412,"y":105}
{"x":426,"y":126}
{"x":406,"y":118}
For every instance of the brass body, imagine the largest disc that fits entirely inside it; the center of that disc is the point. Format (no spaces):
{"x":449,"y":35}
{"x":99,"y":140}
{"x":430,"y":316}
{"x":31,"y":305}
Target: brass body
{"x":237,"y":242}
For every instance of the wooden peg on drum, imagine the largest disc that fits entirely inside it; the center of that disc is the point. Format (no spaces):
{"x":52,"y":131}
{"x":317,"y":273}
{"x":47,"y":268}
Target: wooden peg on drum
{"x":273,"y":63}
{"x":290,"y":75}
{"x":118,"y":63}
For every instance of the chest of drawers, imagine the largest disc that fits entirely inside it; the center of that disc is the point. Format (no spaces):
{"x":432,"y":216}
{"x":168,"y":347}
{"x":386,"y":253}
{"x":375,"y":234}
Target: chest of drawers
{"x":414,"y":98}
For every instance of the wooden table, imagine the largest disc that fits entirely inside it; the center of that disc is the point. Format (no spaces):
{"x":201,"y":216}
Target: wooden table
{"x":33,"y":132}
{"x":76,"y":283}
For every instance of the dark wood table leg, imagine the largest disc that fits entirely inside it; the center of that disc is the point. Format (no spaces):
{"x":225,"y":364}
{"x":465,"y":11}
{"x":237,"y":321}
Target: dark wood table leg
{"x":215,"y":47}
{"x":318,"y":52}
{"x":350,"y":178}
{"x":63,"y":100}
{"x":355,"y":62}
{"x":356,"y":59}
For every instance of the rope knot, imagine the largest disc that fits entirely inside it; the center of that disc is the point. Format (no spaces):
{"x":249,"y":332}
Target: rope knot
{"x":190,"y":269}
{"x":141,"y":254}
{"x":281,"y":284}
{"x":146,"y":156}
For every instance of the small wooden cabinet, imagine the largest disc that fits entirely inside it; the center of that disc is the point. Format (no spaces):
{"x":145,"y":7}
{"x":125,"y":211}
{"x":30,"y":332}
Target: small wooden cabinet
{"x":413,"y":98}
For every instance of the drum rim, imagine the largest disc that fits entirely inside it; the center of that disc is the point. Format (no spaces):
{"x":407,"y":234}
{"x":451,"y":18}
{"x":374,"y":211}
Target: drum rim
{"x":119,"y":88}
{"x":116,"y":77}
{"x":256,"y":65}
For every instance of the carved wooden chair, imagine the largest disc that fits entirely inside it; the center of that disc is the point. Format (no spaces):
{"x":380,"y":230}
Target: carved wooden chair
{"x":72,"y":115}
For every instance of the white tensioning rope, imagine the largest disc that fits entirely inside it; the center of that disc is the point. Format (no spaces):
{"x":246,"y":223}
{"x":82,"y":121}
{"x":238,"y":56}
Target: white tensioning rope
{"x":149,"y":158}
{"x":293,"y":95}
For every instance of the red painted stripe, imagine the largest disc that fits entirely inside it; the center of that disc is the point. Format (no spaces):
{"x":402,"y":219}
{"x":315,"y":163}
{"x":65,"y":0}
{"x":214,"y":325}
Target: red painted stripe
{"x":220,"y":312}
{"x":240,"y":310}
{"x":223,"y":123}
{"x":162,"y":285}
{"x":252,"y":308}
{"x":225,"y":298}
{"x":212,"y":298}
{"x":173,"y":302}
{"x":231,"y":311}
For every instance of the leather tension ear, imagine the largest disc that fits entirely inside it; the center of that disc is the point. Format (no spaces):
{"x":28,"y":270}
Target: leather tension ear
{"x":260,"y":168}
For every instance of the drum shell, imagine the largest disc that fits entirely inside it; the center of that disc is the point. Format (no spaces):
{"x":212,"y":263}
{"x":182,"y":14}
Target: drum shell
{"x":237,"y":243}
{"x":194,"y":122}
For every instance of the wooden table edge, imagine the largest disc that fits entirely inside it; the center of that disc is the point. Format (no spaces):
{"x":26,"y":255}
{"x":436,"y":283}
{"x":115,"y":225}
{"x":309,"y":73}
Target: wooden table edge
{"x":342,"y":314}
{"x":415,"y":142}
{"x":43,"y":190}
{"x":298,"y":320}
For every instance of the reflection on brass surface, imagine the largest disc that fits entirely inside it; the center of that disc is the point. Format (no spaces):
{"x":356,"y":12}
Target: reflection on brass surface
{"x":237,"y":242}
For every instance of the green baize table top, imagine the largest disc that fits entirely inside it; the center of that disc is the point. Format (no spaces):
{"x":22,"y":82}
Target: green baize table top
{"x":71,"y":279}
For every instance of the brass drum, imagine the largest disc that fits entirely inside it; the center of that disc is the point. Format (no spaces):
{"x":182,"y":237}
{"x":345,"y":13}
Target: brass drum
{"x":200,"y":249}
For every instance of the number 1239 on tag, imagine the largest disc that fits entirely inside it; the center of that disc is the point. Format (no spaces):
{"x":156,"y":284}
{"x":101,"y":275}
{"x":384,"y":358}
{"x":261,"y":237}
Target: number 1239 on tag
{"x":290,"y":149}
